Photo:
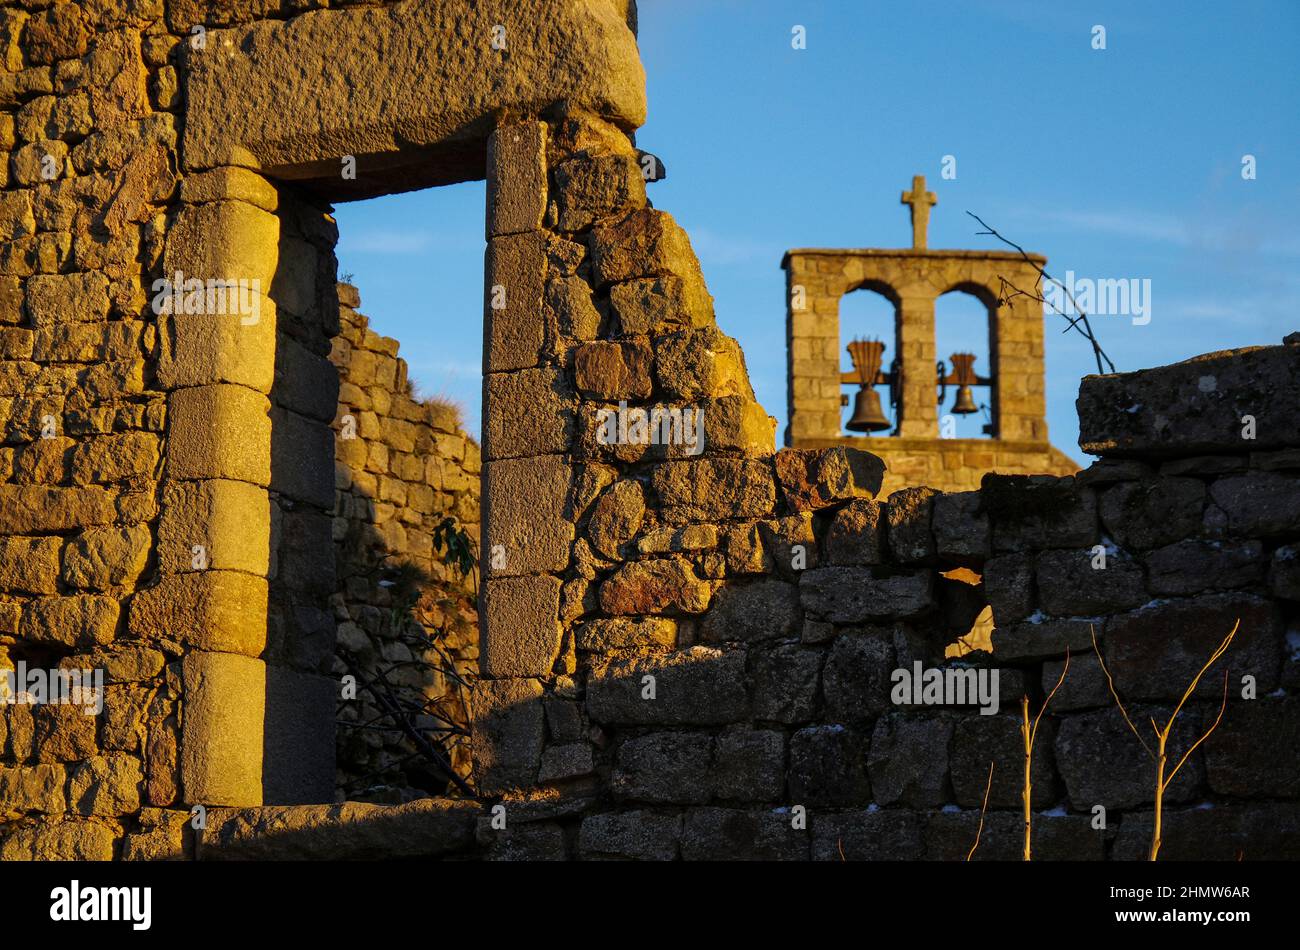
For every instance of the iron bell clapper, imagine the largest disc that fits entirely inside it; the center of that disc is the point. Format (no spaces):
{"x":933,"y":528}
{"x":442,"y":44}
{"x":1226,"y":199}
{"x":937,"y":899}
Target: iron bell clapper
{"x":867,"y":414}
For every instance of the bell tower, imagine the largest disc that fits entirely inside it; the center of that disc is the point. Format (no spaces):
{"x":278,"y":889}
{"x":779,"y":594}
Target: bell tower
{"x":830,"y":403}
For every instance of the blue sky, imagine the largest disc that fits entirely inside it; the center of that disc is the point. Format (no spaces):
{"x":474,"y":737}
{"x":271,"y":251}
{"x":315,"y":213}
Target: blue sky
{"x":1116,"y":163}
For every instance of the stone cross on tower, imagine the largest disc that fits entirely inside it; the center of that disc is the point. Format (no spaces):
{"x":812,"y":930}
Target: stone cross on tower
{"x":920,"y":200}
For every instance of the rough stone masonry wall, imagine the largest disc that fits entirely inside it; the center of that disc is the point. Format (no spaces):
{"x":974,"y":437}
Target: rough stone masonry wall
{"x":155,"y":465}
{"x":680,"y":649}
{"x":404,"y":466}
{"x":88,"y":141}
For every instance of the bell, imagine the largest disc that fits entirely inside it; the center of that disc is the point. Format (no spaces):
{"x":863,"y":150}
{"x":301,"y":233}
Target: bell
{"x":867,"y":416}
{"x":964,"y":404}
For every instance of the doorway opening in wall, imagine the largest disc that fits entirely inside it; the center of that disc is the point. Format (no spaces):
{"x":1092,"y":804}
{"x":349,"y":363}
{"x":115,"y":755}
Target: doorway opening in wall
{"x":962,"y":332}
{"x":406,"y":519}
{"x":868,"y":315}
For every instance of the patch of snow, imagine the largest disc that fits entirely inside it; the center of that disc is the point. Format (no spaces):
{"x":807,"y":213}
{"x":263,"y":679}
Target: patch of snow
{"x":1059,"y":811}
{"x":949,"y":809}
{"x":1036,"y":617}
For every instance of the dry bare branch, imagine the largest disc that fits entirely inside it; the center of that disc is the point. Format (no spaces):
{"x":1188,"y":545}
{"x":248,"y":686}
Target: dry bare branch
{"x":983,"y":808}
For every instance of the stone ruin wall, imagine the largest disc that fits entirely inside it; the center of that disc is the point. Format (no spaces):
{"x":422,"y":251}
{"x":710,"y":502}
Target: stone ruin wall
{"x":616,"y":562}
{"x":771,"y":674}
{"x":88,"y":134}
{"x":403,"y":466}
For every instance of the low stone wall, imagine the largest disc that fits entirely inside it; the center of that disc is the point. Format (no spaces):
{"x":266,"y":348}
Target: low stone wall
{"x":732,"y":693}
{"x":407,"y":616}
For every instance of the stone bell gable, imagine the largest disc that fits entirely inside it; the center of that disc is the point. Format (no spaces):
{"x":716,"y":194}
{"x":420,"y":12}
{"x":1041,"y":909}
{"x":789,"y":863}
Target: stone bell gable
{"x":911,"y":279}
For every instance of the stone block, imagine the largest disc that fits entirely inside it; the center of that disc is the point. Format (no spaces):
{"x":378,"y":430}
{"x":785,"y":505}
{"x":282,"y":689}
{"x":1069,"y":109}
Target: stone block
{"x":961,"y":529}
{"x":616,"y":517}
{"x":856,"y":536}
{"x":1032,"y":640}
{"x":566,"y":761}
{"x":855,"y":595}
{"x":1152,"y":513}
{"x":979,"y":740}
{"x":521,"y":628}
{"x":231,"y":182}
{"x":529,"y":412}
{"x":908,"y":760}
{"x":765,"y":609}
{"x":221,"y":738}
{"x":571,"y":309}
{"x":299,"y":744}
{"x":356,"y":831}
{"x":220,"y":431}
{"x":748,"y":765}
{"x":856,"y":680}
{"x":1259,"y":504}
{"x":815,"y":478}
{"x":67,"y":840}
{"x":516,"y":161}
{"x":647,"y":243}
{"x":1195,"y":407}
{"x":67,"y":298}
{"x":523,"y":515}
{"x":908,"y":515}
{"x":690,"y":365}
{"x":507,"y":734}
{"x":630,"y":835}
{"x":81,"y":620}
{"x":722,"y":834}
{"x":1032,"y":512}
{"x":625,"y":633}
{"x":869,"y":835}
{"x":30,"y":565}
{"x":223,"y":347}
{"x":302,"y":458}
{"x":1255,"y":752}
{"x":230,"y":520}
{"x":224,"y":240}
{"x":1101,"y":762}
{"x":699,"y":686}
{"x":1070,"y":586}
{"x":223,"y":611}
{"x":828,"y":767}
{"x":103,"y":557}
{"x":665,"y":585}
{"x":592,"y":187}
{"x":106,"y":785}
{"x":515,"y":277}
{"x":785,"y":679}
{"x":1009,"y":587}
{"x":664,"y":768}
{"x":1259,"y":831}
{"x":1154,"y":652}
{"x":1191,"y":566}
{"x":305,"y":383}
{"x":713,"y":489}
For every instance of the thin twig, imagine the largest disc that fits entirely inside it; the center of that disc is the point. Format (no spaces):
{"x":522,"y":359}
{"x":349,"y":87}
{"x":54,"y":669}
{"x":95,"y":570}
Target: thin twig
{"x":1110,"y":683}
{"x":983,"y":808}
{"x":1082,"y":318}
